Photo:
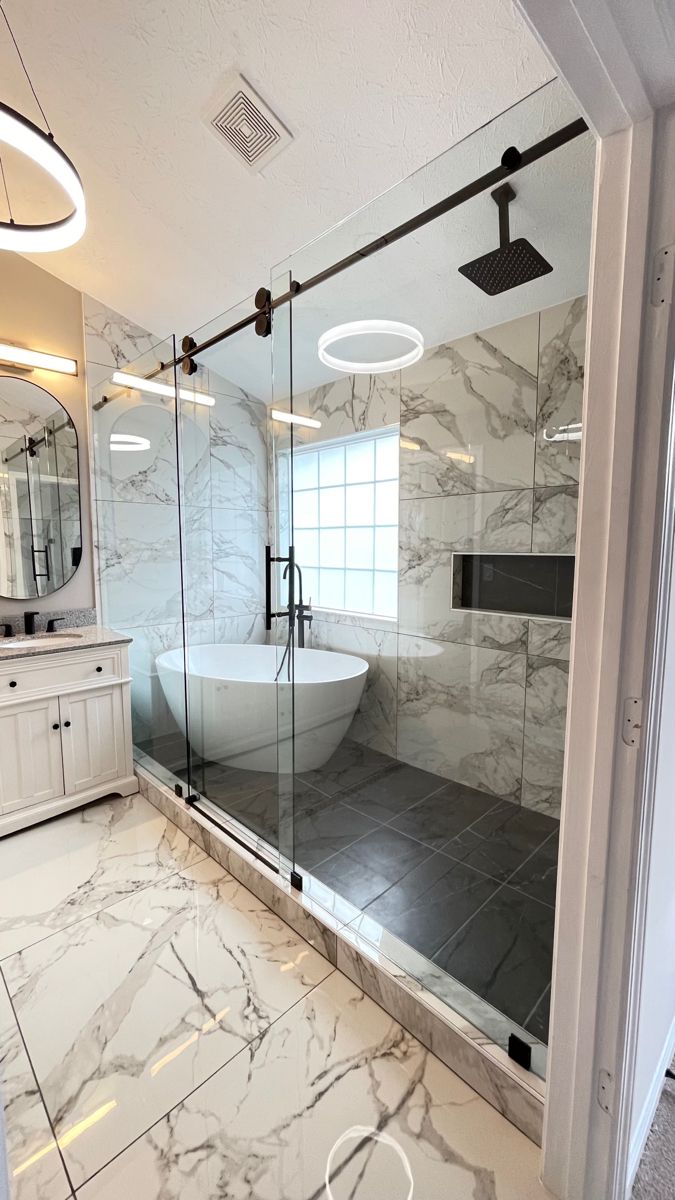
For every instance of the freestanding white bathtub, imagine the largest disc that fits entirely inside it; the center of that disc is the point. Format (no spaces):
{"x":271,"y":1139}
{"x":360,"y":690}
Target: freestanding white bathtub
{"x":238,"y":711}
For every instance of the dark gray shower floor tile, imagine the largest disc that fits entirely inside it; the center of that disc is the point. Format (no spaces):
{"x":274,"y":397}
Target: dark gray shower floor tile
{"x":323,"y":832}
{"x":445,"y":814}
{"x":351,"y":764}
{"x":504,"y":953}
{"x":366,"y":868}
{"x":538,"y":876}
{"x":391,"y":792}
{"x":499,"y":842}
{"x":431,"y":902}
{"x":537,"y":1023}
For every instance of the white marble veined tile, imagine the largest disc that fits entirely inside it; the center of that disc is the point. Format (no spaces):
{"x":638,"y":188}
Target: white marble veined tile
{"x":111,"y":338}
{"x":468,"y":413}
{"x":56,"y":873}
{"x":560,"y":392}
{"x":430,"y":530}
{"x":375,"y":721}
{"x":240,"y":629}
{"x":163,"y":988}
{"x":239,"y":538}
{"x":34,"y":1165}
{"x":554,"y":520}
{"x":238,"y":453}
{"x":352,"y":404}
{"x":293,"y":1117}
{"x":145,"y":476}
{"x":549,"y":638}
{"x":544,"y":734}
{"x":460,"y":713}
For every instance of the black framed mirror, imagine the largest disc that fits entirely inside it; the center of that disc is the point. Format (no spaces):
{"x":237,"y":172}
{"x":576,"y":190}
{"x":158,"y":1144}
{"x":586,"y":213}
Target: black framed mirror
{"x":41,"y":528}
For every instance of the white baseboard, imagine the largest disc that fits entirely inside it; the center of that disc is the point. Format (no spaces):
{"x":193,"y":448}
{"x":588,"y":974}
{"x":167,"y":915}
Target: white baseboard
{"x":649,"y":1108}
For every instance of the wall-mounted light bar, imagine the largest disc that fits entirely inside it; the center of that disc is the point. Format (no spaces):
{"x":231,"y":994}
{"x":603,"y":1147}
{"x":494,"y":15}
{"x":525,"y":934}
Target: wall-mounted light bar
{"x":19,"y":356}
{"x":139,"y":384}
{"x":290,"y":418}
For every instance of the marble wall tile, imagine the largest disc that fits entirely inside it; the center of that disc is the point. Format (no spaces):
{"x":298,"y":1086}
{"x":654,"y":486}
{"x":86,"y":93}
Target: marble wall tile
{"x":549,"y":638}
{"x":375,"y":721}
{"x":430,"y":530}
{"x":238,"y":453}
{"x":110,"y":338}
{"x":544,"y":734}
{"x":239,"y":539}
{"x":241,"y":629}
{"x":33,"y":1162}
{"x":554,"y":520}
{"x":560,"y":389}
{"x":460,"y":713}
{"x":352,"y":404}
{"x":139,"y":564}
{"x":475,"y":397}
{"x":141,"y":477}
{"x":151,"y":715}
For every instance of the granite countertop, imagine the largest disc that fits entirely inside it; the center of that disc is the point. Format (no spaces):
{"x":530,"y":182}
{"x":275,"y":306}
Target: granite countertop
{"x":84,"y":637}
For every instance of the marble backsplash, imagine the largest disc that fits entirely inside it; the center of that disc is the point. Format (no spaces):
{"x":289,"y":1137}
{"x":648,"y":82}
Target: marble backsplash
{"x":478,"y":697}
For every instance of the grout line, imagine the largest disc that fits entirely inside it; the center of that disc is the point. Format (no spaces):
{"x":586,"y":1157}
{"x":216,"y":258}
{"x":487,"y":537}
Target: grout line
{"x":223,"y":1066}
{"x":37,"y":1084}
{"x":536,"y":1005}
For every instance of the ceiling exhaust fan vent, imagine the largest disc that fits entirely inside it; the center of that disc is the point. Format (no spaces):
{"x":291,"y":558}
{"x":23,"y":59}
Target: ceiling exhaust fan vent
{"x":248,"y":127}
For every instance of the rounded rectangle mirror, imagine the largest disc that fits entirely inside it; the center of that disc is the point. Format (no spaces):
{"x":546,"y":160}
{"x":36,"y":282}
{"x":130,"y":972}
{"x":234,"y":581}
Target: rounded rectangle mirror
{"x":40,"y":526}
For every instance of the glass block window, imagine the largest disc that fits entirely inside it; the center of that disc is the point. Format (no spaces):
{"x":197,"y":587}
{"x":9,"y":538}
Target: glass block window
{"x":345,"y":507}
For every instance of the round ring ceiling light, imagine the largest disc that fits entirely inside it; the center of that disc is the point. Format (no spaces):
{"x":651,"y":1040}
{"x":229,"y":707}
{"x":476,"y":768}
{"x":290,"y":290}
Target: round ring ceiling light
{"x":129,"y":441}
{"x":361,"y":329}
{"x":28,"y":139}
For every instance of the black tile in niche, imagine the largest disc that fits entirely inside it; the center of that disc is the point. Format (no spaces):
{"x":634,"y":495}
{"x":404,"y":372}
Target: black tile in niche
{"x":431,"y":902}
{"x":504,"y":953}
{"x":366,"y":868}
{"x":445,"y":814}
{"x":350,"y":764}
{"x":325,"y":831}
{"x":539,"y":584}
{"x":499,"y":842}
{"x":539,"y":875}
{"x":391,"y":792}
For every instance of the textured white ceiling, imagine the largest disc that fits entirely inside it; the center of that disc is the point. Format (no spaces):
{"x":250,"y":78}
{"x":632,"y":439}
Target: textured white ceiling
{"x":178,"y":231}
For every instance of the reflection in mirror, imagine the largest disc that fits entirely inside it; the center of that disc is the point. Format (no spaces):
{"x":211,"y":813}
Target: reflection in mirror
{"x":41,"y":536}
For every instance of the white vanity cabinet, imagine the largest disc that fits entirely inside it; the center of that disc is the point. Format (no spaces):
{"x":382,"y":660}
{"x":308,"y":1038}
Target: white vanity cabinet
{"x":65,"y":731}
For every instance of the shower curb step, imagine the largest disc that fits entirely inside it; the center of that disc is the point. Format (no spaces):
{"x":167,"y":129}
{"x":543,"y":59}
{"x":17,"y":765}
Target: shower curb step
{"x":516,"y":1093}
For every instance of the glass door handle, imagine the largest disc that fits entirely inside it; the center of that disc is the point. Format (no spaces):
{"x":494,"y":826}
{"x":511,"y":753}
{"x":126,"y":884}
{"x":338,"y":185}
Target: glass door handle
{"x":290,"y":611}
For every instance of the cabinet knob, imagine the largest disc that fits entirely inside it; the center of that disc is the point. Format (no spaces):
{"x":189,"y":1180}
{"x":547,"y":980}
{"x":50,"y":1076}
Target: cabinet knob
{"x":12,"y":683}
{"x":56,"y":725}
{"x":99,"y":669}
{"x":66,"y":724}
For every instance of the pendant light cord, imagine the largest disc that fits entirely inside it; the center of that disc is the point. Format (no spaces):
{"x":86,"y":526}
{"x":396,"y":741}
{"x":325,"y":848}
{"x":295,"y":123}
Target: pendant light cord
{"x":25,"y":71}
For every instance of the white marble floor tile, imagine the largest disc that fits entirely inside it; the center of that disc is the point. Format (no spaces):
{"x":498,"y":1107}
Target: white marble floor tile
{"x":56,"y":873}
{"x":34,"y":1167}
{"x":126,"y":1012}
{"x":293,"y":1117}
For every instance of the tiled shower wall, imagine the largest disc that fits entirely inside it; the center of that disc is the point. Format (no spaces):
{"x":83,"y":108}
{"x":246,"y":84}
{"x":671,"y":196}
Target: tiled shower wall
{"x":224,"y":462}
{"x":476,"y":697}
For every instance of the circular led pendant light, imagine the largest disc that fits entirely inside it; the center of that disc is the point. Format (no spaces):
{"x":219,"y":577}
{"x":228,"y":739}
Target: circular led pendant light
{"x":28,"y":139}
{"x":362,"y":329}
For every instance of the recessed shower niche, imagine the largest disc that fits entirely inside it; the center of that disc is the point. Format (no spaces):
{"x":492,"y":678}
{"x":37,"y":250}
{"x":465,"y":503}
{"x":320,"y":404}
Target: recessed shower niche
{"x":534,"y":585}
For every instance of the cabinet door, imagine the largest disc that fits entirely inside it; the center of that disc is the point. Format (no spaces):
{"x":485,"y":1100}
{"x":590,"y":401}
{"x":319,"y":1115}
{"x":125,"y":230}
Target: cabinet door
{"x":31,"y":768}
{"x":91,"y":733}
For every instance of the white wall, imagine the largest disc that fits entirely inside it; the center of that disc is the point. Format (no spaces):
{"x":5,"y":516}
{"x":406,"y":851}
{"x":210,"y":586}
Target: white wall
{"x":39,"y":311}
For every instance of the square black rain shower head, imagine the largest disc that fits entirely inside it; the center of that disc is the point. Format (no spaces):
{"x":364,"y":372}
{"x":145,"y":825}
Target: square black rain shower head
{"x":513,"y":263}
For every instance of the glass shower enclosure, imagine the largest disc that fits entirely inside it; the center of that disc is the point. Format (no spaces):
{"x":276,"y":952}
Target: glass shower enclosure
{"x":339,"y":524}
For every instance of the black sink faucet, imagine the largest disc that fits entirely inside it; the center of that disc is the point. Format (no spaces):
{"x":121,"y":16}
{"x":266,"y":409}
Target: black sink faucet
{"x":7,"y":629}
{"x":29,"y":622}
{"x":51,"y":623}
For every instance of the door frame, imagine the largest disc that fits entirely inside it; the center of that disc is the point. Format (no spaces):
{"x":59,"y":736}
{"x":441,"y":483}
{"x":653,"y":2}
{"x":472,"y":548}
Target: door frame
{"x":618,"y":614}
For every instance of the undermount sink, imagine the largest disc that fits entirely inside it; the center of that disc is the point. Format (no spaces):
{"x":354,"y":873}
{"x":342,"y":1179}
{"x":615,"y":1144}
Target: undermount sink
{"x":54,"y":639}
